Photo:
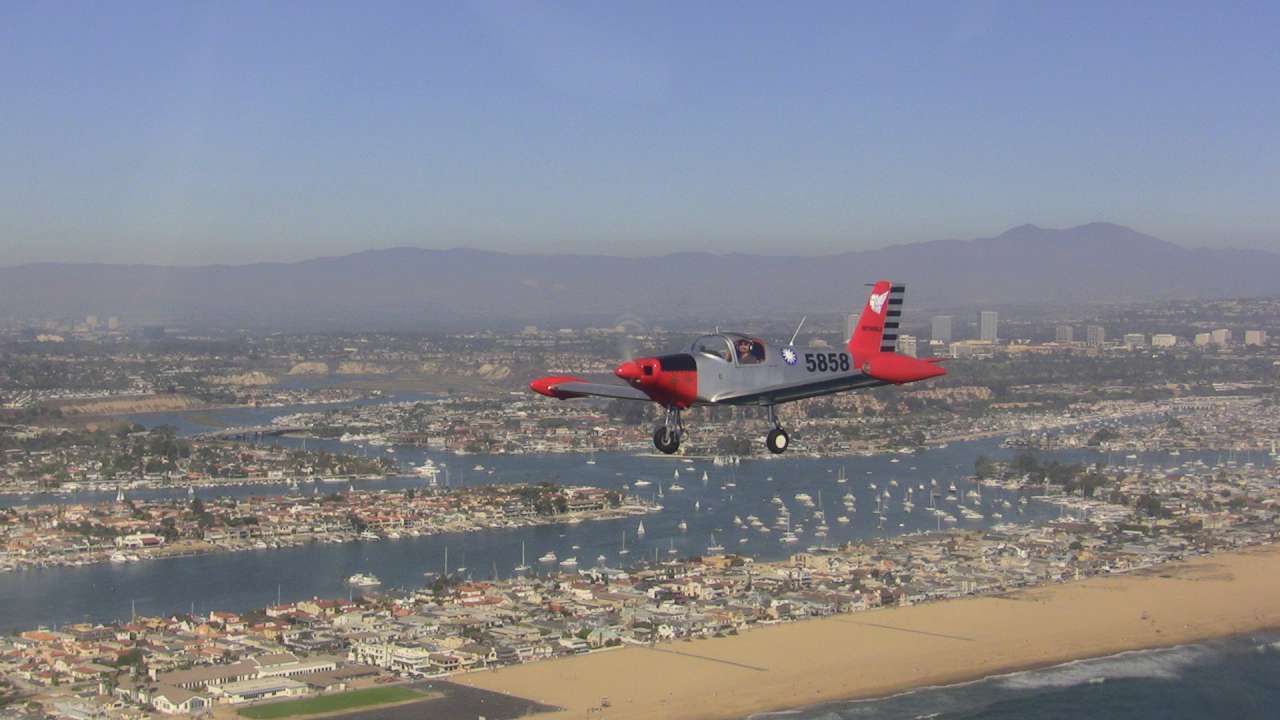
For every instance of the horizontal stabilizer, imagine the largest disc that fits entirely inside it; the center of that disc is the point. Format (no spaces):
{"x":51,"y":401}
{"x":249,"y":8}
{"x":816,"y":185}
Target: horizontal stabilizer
{"x":897,"y":369}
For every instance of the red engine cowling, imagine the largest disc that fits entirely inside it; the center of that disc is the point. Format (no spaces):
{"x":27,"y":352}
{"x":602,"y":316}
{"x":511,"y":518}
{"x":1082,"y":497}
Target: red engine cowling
{"x":671,"y":380}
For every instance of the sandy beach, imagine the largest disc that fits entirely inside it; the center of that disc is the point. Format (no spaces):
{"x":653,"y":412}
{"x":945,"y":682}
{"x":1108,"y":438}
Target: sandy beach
{"x":878,"y":653}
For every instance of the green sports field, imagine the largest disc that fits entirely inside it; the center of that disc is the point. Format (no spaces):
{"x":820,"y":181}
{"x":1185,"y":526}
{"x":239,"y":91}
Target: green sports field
{"x":333,"y":703}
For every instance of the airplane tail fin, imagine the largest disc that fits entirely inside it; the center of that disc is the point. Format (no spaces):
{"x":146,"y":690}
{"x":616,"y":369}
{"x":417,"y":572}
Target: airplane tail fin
{"x":877,"y":328}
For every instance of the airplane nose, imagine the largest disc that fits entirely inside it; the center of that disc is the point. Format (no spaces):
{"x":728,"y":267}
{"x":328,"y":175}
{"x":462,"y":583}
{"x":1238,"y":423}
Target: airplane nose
{"x":629,"y":370}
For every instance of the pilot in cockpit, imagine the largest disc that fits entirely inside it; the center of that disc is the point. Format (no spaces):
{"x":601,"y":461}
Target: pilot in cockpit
{"x":750,"y":352}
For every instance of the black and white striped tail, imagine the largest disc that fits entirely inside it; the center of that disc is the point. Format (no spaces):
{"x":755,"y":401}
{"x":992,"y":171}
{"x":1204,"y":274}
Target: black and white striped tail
{"x":889,"y":340}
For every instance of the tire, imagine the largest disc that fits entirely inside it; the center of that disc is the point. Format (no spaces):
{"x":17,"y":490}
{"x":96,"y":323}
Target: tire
{"x":666,"y":440}
{"x":777,"y":441}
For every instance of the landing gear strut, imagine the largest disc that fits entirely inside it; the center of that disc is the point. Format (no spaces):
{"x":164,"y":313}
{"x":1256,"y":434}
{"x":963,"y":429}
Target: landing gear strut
{"x":777,"y":439}
{"x":667,"y":436}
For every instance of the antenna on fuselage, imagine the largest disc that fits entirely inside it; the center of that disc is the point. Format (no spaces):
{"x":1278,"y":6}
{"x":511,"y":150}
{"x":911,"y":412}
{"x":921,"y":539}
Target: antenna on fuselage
{"x":797,"y":332}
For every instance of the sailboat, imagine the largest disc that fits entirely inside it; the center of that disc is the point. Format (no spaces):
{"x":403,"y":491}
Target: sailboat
{"x":841,"y":478}
{"x":789,"y":537}
{"x":672,"y":549}
{"x":523,"y":566}
{"x":624,"y":549}
{"x":640,"y":529}
{"x":714,"y":547}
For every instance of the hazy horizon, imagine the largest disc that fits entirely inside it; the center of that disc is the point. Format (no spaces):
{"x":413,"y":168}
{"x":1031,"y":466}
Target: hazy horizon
{"x":235,"y":133}
{"x":603,"y":252}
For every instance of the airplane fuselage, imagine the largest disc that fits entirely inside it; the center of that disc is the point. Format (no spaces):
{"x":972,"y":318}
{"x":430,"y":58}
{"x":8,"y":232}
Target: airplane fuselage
{"x":784,"y":374}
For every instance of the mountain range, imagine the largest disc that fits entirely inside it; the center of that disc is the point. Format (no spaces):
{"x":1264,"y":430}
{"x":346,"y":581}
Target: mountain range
{"x":415,"y":288}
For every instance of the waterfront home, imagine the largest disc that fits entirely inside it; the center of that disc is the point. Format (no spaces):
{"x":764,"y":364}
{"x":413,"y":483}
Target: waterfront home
{"x":178,"y":701}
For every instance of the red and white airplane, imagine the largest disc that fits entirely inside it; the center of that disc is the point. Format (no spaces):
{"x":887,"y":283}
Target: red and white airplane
{"x":737,"y":369}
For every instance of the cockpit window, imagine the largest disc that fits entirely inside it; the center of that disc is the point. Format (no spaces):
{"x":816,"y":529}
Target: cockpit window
{"x":715,"y":346}
{"x":750,"y":351}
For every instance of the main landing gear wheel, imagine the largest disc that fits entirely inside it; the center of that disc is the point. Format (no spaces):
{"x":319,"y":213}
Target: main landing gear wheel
{"x":777,"y":440}
{"x":666,"y":439}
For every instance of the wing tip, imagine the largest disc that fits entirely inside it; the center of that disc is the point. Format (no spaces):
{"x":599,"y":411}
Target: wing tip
{"x":547,"y":386}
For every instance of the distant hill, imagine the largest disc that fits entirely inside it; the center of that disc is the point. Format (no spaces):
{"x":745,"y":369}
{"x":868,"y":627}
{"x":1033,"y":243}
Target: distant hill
{"x":406,"y":288}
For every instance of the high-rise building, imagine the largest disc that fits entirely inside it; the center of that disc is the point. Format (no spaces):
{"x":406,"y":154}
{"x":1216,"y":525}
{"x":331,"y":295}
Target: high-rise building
{"x":1064,"y":334}
{"x":113,"y":323}
{"x":1221,"y":336}
{"x":987,"y":320}
{"x":1095,"y":335}
{"x":1163,"y":340}
{"x":1134,"y":340}
{"x":907,"y":345}
{"x":940,"y":328}
{"x":1203,"y":339}
{"x":1255,"y":337}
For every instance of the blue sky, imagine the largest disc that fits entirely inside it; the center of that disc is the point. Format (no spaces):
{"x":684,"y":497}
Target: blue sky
{"x":236,"y":132}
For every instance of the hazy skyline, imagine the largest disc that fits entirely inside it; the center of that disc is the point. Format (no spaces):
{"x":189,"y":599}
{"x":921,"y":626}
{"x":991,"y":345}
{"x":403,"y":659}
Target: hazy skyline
{"x":234,"y":133}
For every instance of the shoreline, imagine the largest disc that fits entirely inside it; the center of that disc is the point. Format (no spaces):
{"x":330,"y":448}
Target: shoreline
{"x":882,"y":653}
{"x":999,"y":675}
{"x":194,"y":548}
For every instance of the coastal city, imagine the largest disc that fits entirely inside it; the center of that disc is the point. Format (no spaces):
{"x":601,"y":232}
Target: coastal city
{"x":1117,"y":519}
{"x":1173,"y":470}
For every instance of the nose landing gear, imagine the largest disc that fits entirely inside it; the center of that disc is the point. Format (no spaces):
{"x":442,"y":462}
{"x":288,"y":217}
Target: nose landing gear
{"x":667,"y":435}
{"x":666,"y":439}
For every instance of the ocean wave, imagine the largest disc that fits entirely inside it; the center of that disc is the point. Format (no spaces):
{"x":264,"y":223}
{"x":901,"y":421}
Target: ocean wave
{"x":1164,"y":663}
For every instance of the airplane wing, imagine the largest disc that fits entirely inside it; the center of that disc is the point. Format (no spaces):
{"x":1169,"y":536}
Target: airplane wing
{"x":788,"y":392}
{"x":565,"y":388}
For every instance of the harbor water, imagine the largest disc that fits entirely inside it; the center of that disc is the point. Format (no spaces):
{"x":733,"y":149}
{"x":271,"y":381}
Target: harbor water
{"x":702,"y":504}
